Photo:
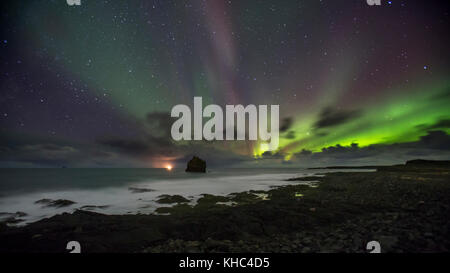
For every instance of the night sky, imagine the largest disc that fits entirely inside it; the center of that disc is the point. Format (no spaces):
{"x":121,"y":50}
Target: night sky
{"x":93,"y":85}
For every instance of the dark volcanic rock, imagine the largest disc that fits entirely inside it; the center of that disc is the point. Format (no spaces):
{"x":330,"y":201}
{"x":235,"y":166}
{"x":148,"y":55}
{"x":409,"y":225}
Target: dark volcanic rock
{"x":43,"y":201}
{"x":12,"y":218}
{"x":55,"y":203}
{"x":139,"y":190}
{"x":91,"y":207}
{"x":170,"y":199}
{"x":305,"y":178}
{"x":196,"y":165}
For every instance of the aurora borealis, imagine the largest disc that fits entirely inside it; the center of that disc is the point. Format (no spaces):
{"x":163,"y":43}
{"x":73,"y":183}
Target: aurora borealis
{"x":93,"y":85}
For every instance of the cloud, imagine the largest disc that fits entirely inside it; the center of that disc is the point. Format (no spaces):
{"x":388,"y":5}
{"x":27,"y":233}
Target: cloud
{"x":330,"y":117}
{"x":153,"y":140}
{"x":43,"y":154}
{"x":289,"y":135}
{"x":128,"y":146}
{"x":142,"y":146}
{"x":433,"y":145}
{"x":440,"y":124}
{"x":286,"y":124}
{"x":159,"y":123}
{"x":33,"y":151}
{"x":438,"y":140}
{"x":155,"y":144}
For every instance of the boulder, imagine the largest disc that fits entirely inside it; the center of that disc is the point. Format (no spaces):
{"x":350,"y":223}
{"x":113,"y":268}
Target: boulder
{"x":59,"y":203}
{"x":196,"y":165}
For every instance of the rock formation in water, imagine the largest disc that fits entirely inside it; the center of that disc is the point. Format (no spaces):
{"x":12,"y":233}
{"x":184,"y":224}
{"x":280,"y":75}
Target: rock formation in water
{"x":196,"y":165}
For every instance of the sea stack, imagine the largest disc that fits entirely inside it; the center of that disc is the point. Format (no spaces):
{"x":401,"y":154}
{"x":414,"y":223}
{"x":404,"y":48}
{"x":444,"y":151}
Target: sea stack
{"x":196,"y":165}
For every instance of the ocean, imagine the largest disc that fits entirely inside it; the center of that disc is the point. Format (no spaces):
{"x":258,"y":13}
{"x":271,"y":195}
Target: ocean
{"x":124,"y":191}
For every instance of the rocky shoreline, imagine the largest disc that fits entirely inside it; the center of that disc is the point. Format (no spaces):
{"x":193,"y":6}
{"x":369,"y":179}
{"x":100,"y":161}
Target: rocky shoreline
{"x":404,"y":207}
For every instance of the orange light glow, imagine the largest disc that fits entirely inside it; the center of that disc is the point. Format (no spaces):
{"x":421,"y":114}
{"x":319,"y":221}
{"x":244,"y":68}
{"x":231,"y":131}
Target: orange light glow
{"x":169,"y":167}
